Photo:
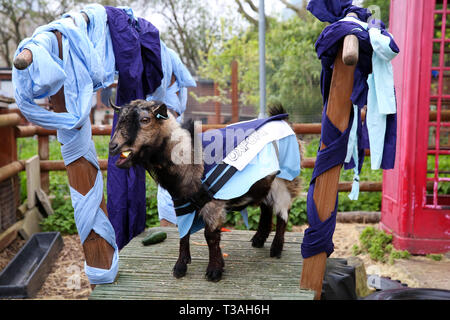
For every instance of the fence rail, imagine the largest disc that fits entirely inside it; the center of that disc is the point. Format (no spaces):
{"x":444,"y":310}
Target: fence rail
{"x":11,"y":121}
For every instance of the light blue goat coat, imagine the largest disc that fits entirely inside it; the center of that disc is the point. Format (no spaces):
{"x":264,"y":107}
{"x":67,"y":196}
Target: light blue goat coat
{"x":284,"y":161}
{"x":88,"y":64}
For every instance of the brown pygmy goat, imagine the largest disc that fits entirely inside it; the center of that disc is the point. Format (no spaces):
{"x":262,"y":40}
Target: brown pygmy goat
{"x":144,"y":135}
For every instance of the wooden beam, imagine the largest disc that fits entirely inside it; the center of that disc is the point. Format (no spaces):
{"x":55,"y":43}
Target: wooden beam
{"x":11,"y":169}
{"x":326,"y":187}
{"x":29,"y":131}
{"x":9,"y":119}
{"x":58,"y":165}
{"x":358,"y":217}
{"x":9,"y":235}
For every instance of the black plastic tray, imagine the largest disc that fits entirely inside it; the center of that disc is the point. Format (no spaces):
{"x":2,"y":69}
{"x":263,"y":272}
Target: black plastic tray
{"x":27,"y":271}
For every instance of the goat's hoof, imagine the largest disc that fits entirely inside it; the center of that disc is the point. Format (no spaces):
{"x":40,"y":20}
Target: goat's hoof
{"x":257,"y":241}
{"x":275,"y":252}
{"x":214,"y":275}
{"x":179,"y":270}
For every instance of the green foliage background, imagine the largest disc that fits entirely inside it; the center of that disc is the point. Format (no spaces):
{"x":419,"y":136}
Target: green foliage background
{"x":292,"y":68}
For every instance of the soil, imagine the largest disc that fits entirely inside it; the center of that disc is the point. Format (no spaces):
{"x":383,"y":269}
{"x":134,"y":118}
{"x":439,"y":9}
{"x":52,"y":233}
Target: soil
{"x":416,"y":272}
{"x":67,"y":279}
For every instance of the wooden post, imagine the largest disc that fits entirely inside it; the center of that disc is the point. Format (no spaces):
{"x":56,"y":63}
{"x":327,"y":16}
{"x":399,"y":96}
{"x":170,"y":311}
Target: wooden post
{"x":217,"y":104}
{"x":8,"y":146}
{"x":8,"y":149}
{"x":234,"y":92}
{"x":82,"y":175}
{"x":326,"y":188}
{"x":43,"y":152}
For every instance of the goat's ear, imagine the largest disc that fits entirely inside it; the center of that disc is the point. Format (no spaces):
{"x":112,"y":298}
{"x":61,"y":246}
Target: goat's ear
{"x":115,"y":108}
{"x":160,"y":111}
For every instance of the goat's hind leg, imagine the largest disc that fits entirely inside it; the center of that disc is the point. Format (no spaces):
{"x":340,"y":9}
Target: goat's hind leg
{"x":264,"y":226}
{"x":278,"y":241}
{"x":184,"y":258}
{"x":281,"y":196}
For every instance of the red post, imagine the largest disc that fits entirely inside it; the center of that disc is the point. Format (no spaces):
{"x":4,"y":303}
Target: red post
{"x":234,"y":92}
{"x":217,"y":104}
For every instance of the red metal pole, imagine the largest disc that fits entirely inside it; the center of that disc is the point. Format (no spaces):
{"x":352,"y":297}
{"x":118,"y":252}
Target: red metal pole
{"x":234,"y":92}
{"x":217,"y":104}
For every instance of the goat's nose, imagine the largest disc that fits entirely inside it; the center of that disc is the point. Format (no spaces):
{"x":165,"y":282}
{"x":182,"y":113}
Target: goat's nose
{"x":113,"y":146}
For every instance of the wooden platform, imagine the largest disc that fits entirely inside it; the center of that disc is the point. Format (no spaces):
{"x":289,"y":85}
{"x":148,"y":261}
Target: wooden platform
{"x":145,"y":272}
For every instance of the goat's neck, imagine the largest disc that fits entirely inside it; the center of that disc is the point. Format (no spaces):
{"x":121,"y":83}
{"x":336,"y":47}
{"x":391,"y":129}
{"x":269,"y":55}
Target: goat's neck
{"x":179,"y":179}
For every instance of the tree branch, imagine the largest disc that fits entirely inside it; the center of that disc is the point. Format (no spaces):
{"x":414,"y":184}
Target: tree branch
{"x":300,"y":11}
{"x":242,"y":11}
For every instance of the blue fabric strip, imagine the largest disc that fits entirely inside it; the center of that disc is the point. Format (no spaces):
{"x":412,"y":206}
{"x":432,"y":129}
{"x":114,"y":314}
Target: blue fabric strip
{"x":81,"y":71}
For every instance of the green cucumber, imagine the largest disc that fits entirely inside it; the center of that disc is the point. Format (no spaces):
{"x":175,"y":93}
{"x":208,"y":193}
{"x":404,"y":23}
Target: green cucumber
{"x":154,"y":237}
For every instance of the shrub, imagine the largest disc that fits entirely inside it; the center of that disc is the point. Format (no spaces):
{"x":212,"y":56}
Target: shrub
{"x":379,"y":246}
{"x":435,"y":257}
{"x":62,"y":219}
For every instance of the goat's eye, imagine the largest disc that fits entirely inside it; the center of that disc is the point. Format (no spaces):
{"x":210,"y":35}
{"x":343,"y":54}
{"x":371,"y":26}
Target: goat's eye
{"x":145,"y":120}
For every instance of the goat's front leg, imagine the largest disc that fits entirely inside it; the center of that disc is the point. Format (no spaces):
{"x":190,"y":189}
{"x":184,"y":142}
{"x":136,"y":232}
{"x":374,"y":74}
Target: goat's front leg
{"x":184,"y":258}
{"x":216,"y":263}
{"x":213,"y":213}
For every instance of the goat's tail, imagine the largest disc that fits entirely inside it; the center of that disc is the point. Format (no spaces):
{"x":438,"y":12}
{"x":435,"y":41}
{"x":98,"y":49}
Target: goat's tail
{"x":275,"y":109}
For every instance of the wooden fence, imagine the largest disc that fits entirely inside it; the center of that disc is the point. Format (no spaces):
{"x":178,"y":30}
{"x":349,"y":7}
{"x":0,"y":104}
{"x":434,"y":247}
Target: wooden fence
{"x":11,"y":129}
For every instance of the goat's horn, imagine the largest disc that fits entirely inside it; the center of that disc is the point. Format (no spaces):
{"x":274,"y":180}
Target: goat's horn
{"x":111,"y":103}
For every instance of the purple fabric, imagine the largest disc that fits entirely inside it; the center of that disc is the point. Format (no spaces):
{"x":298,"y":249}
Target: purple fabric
{"x":247,"y":127}
{"x":126,"y":202}
{"x":334,"y":10}
{"x":137,"y":50}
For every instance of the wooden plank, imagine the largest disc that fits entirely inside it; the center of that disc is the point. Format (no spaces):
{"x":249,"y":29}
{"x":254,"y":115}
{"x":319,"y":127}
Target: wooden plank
{"x":9,"y":235}
{"x":44,"y":154}
{"x":30,"y":224}
{"x":33,"y":180}
{"x":43,"y":203}
{"x":145,"y":272}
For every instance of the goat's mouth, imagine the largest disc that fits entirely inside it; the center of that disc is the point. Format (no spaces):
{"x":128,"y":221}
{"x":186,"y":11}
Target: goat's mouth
{"x":124,"y":160}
